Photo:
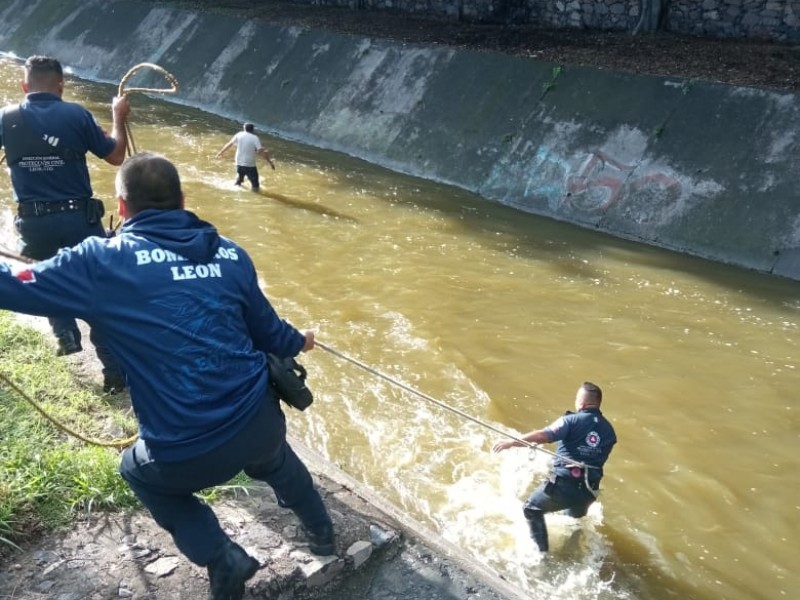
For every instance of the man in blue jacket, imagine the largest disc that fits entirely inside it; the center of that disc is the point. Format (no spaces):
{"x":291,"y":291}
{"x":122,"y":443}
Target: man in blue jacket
{"x":46,"y":141}
{"x":585,"y":439}
{"x":182,"y":309}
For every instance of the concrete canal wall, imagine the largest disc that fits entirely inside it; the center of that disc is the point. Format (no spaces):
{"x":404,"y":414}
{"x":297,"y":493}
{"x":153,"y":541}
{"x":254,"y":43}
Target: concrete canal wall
{"x":695,"y":167}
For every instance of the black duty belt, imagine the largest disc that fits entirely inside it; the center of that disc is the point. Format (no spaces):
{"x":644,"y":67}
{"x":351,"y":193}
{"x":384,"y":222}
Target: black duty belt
{"x":581,"y":483}
{"x":38,"y":208}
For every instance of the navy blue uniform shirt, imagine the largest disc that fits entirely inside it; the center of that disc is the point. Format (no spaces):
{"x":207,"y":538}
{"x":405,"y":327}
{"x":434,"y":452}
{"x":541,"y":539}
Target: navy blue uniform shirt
{"x":586,"y":437}
{"x":64,"y":125}
{"x":181,"y":309}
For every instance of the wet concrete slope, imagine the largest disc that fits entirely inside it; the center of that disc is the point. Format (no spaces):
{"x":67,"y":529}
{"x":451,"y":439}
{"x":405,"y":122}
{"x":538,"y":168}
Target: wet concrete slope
{"x":695,"y":167}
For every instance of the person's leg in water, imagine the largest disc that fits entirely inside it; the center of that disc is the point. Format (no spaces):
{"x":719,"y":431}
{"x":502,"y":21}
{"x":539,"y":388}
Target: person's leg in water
{"x":240,"y":173}
{"x":538,"y":504}
{"x":579,"y":510}
{"x":252,"y":176}
{"x":551,"y":496}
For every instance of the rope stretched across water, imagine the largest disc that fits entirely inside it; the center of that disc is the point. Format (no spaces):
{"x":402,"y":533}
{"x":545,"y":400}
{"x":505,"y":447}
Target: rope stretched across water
{"x":331,"y":350}
{"x":452,"y":409}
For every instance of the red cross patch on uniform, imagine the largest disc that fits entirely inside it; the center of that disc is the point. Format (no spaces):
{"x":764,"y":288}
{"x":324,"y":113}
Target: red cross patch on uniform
{"x":26,"y":276}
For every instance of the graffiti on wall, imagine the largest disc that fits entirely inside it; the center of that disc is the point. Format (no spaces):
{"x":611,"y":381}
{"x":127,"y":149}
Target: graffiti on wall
{"x":596,"y":181}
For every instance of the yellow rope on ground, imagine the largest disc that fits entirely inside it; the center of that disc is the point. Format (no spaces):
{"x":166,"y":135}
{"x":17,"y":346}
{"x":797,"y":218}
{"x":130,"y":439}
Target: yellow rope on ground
{"x":171,"y":80}
{"x":3,"y":378}
{"x":111,"y":444}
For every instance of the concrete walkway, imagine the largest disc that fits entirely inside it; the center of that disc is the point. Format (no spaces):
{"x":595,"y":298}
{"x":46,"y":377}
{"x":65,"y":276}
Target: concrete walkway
{"x":378,"y":557}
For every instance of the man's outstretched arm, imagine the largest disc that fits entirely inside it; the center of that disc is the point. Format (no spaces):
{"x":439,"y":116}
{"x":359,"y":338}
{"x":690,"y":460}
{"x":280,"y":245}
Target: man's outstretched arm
{"x":264,"y":152}
{"x":225,"y":147}
{"x":539,"y":436}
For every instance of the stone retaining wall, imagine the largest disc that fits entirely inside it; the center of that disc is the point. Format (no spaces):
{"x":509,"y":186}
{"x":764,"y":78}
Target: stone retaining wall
{"x":777,"y":20}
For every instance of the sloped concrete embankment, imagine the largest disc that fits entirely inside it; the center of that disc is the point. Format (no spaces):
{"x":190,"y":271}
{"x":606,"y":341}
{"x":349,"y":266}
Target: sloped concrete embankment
{"x":695,"y":167}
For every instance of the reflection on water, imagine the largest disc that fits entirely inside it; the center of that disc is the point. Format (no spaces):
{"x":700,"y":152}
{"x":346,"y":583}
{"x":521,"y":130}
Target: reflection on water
{"x":502,"y":315}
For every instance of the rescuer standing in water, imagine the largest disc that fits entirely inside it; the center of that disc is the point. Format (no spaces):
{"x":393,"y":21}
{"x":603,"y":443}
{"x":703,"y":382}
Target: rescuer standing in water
{"x":585,"y":439}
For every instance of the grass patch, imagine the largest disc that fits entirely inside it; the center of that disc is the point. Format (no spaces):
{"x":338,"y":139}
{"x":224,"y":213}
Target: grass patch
{"x":47,"y":477}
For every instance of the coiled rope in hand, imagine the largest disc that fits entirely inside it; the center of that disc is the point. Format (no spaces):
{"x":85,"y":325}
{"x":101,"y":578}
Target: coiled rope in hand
{"x":131,"y":150}
{"x":169,"y":77}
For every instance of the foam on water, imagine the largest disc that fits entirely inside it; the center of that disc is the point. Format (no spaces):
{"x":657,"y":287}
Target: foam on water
{"x":483,"y":515}
{"x":453,"y":482}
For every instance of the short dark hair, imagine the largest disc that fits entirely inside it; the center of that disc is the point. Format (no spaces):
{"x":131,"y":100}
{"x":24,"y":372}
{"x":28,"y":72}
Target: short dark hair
{"x":593,"y":390}
{"x":248,"y":127}
{"x":148,"y":180}
{"x":42,"y":69}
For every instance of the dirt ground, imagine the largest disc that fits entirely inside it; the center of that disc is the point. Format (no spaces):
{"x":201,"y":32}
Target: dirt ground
{"x":743,"y":63}
{"x":107,"y":556}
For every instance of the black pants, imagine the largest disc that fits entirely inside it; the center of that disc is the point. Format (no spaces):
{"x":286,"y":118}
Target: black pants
{"x":261,"y":451}
{"x":250,"y":172}
{"x":41,"y":237}
{"x":551,"y":496}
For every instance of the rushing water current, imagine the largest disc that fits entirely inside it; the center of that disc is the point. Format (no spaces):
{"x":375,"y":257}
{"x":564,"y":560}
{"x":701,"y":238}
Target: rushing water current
{"x":501,"y":315}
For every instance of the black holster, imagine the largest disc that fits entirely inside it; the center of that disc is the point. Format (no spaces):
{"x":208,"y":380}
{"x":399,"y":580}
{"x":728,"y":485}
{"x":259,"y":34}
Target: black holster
{"x":94,"y":211}
{"x":287,"y":378}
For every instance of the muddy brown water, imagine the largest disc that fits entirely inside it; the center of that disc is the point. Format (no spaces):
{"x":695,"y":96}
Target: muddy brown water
{"x":501,"y":315}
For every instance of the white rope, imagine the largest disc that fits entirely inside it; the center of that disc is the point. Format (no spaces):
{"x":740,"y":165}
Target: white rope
{"x":408,"y":388}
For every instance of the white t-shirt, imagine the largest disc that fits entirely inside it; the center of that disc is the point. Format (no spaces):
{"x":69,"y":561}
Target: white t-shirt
{"x":247,"y":145}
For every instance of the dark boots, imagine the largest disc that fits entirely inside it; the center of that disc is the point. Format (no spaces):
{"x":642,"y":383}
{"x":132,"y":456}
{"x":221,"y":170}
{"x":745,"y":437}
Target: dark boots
{"x":68,"y":343}
{"x":321,"y":542}
{"x":228,"y":572}
{"x":114,"y":383}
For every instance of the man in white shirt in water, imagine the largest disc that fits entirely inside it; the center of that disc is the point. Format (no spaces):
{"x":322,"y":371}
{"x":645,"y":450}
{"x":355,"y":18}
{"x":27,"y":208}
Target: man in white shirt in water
{"x":248,"y":146}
